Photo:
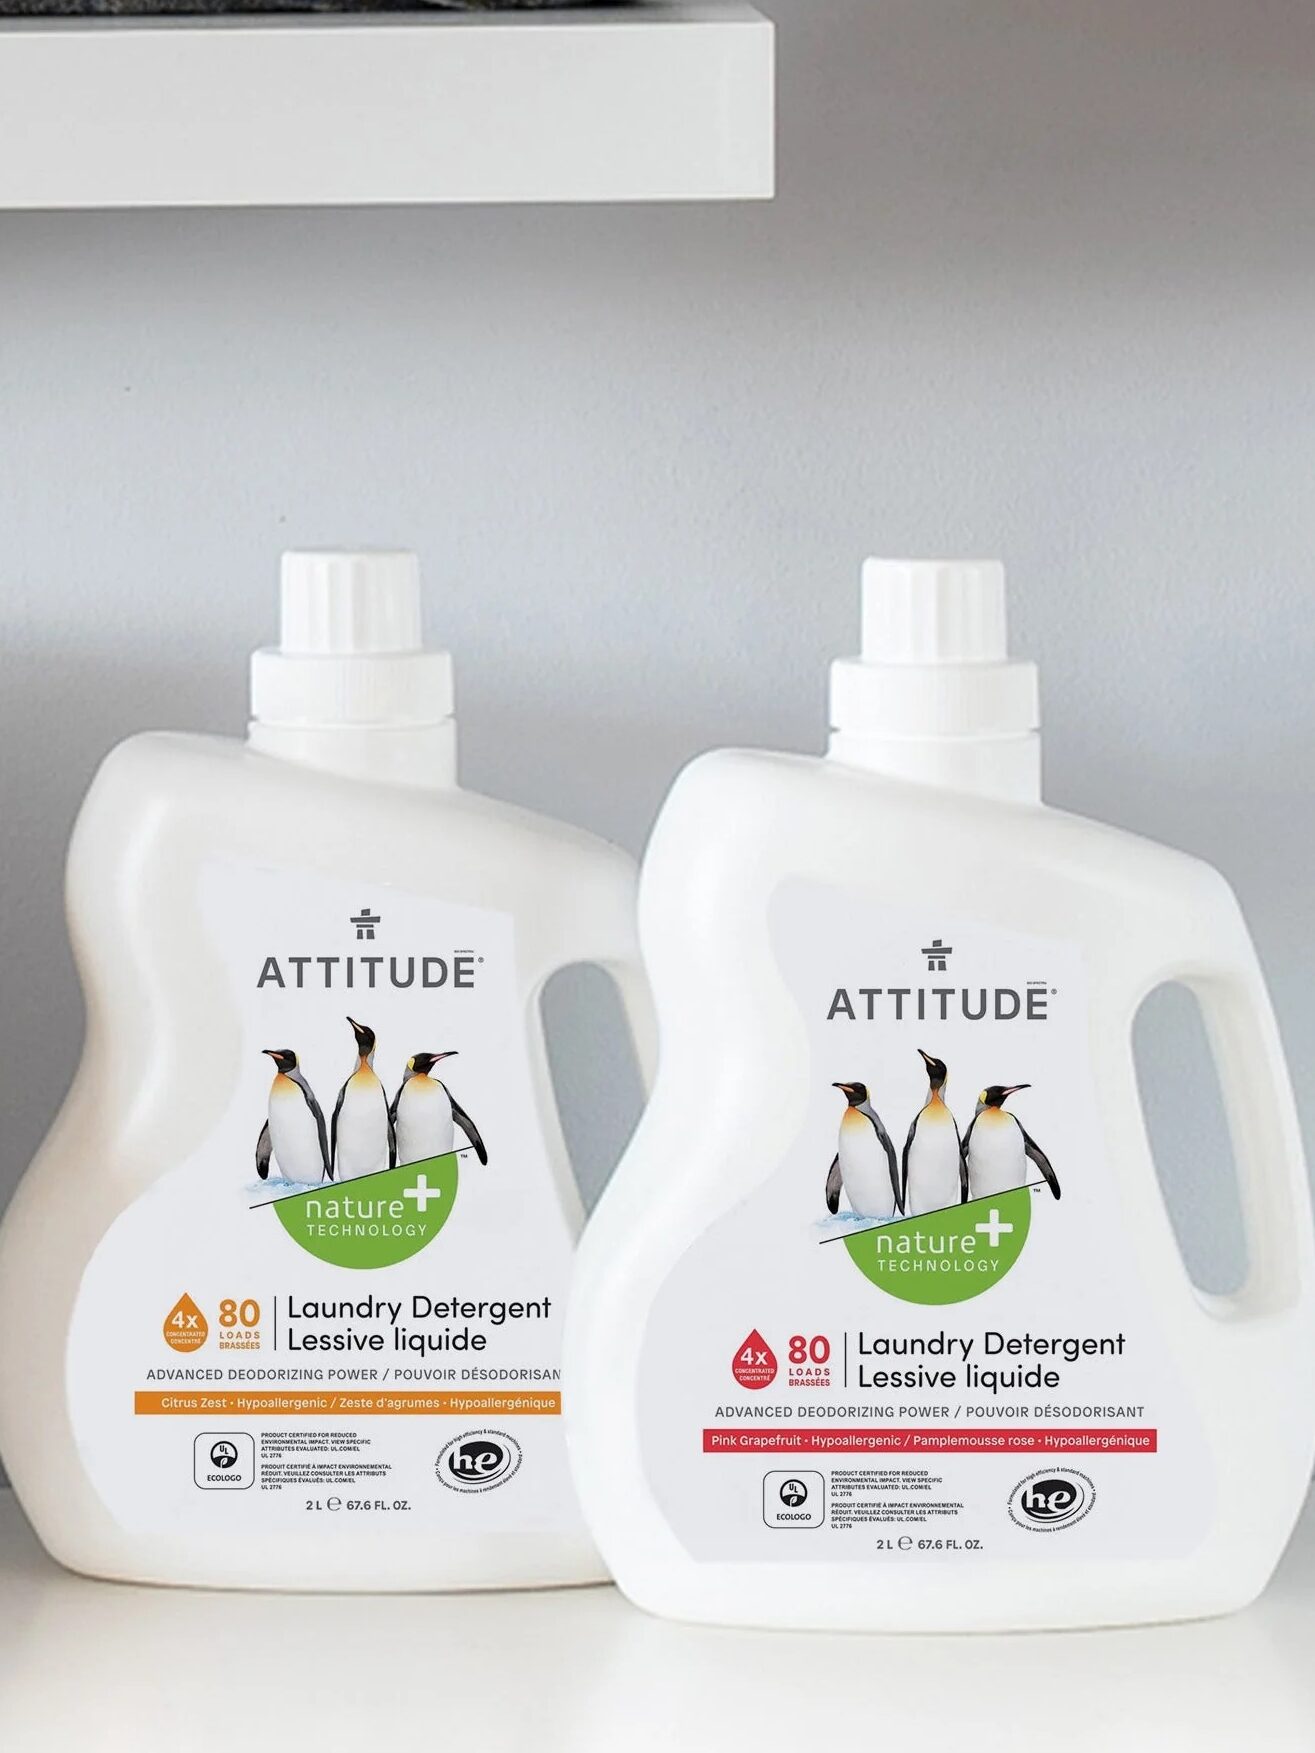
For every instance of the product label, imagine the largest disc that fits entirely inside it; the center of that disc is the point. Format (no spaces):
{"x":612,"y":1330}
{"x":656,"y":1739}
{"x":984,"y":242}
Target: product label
{"x":345,"y":1305}
{"x":925,"y":1336}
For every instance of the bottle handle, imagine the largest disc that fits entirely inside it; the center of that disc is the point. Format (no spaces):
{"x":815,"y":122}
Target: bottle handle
{"x":627,"y":975}
{"x":606,"y":938}
{"x":1226,"y":980}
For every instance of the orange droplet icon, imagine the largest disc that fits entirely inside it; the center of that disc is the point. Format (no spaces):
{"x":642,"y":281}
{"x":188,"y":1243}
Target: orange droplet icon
{"x":185,"y":1327}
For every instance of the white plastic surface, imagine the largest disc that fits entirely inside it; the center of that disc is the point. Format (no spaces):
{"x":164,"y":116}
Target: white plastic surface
{"x":344,"y":601}
{"x":934,"y":662}
{"x":350,"y":654}
{"x":158,"y":1068}
{"x":933,"y":611}
{"x":970,"y":840}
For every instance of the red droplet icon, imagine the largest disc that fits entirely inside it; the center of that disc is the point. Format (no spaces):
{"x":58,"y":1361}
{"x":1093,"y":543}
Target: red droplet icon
{"x":754,"y":1363}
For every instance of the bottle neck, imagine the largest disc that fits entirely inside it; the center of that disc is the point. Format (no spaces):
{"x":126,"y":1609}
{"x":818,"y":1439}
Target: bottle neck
{"x":420,"y":756}
{"x":1004,"y":767}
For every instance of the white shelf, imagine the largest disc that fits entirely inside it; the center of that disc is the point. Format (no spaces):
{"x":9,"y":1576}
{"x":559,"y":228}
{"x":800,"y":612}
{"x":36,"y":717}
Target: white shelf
{"x":114,"y":1669}
{"x":651,"y":102}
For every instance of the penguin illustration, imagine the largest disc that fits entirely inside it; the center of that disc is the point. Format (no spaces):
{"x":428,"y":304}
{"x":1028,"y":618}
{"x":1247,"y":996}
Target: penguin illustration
{"x":997,"y":1150}
{"x":425,"y":1113}
{"x":864,"y":1163}
{"x":362,"y":1139}
{"x":293,"y":1137}
{"x":934,"y":1174}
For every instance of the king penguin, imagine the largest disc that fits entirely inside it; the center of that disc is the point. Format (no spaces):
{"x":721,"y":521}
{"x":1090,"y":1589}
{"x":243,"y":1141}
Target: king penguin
{"x":293,"y":1137}
{"x":934,"y":1172}
{"x":362,"y":1137}
{"x":864,"y":1164}
{"x":997,"y":1150}
{"x":425,"y":1113}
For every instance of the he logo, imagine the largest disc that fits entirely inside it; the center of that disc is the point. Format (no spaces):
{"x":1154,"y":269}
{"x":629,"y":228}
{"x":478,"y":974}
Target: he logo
{"x":365,"y":922}
{"x":478,"y":1460}
{"x":1050,"y":1499}
{"x":937,"y":954}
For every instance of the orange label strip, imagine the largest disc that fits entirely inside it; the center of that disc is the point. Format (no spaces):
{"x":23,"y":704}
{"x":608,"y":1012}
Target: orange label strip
{"x":351,"y":1403}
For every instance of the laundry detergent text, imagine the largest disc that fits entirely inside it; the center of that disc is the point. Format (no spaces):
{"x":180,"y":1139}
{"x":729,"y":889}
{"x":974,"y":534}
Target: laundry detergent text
{"x":373,"y":1323}
{"x":875,"y":1351}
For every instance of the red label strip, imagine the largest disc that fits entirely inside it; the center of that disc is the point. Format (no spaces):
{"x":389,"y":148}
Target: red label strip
{"x":1049,"y":1440}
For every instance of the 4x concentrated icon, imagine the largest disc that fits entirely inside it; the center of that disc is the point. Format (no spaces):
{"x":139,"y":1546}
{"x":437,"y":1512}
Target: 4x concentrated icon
{"x":185,"y":1326}
{"x":754,"y":1363}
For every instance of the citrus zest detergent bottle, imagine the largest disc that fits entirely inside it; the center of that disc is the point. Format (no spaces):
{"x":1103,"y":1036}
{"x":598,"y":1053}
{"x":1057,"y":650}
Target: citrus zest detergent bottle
{"x":881,"y":1323}
{"x":281,"y":1295}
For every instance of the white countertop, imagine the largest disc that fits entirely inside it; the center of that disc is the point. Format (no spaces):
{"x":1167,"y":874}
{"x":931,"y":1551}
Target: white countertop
{"x":102,"y":1667}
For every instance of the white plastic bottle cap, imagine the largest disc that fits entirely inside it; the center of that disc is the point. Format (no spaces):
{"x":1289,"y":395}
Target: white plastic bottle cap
{"x":347,"y":603}
{"x":934,"y":611}
{"x":350,"y":650}
{"x":934,"y":660}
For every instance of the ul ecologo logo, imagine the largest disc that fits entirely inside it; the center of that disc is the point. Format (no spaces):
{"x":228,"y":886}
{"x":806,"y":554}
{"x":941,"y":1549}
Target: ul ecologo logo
{"x":793,"y":1493}
{"x":478,"y":1460}
{"x":1051,"y":1499}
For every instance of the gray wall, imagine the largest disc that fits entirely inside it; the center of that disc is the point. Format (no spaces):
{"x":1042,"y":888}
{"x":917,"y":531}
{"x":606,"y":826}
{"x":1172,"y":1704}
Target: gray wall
{"x":1038,"y":282}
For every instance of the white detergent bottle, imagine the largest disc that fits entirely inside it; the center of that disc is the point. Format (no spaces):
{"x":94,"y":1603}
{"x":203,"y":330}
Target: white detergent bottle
{"x":281,"y":1295}
{"x":881,"y":1323}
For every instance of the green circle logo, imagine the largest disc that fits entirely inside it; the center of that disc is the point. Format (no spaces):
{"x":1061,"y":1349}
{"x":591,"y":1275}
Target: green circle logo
{"x":375,"y":1220}
{"x":946,"y":1256}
